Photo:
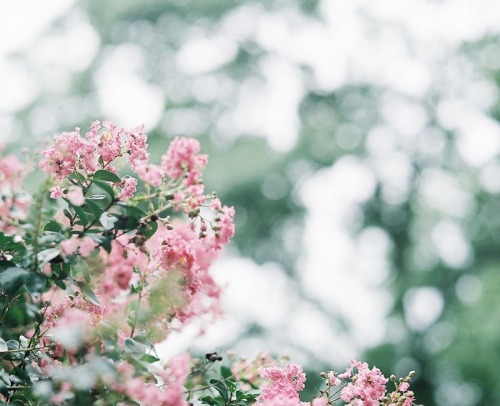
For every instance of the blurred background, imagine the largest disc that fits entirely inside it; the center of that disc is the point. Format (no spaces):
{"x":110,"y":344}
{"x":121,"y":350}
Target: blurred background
{"x":359,"y":142}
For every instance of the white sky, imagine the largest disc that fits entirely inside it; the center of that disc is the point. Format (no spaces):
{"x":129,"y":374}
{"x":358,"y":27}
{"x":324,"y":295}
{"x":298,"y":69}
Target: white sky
{"x":395,"y":44}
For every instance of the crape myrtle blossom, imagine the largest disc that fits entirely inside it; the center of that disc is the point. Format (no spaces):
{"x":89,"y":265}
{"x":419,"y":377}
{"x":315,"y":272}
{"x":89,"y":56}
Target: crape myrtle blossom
{"x":150,"y":274}
{"x":369,"y":385}
{"x":285,"y":385}
{"x":114,"y":262}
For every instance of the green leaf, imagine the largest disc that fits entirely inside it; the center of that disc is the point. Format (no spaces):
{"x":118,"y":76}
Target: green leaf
{"x":150,"y":229}
{"x":3,"y":345}
{"x":88,"y":292}
{"x":52,"y":225}
{"x":105,"y":242}
{"x":221,"y":388}
{"x":45,"y":256}
{"x":60,"y":284}
{"x":106,"y":187}
{"x":14,"y":345}
{"x":68,"y":215}
{"x":133,"y":348}
{"x":225,"y":372}
{"x":81,"y":268}
{"x":36,"y":283}
{"x":231,"y":385}
{"x":149,"y":358}
{"x":12,"y":279}
{"x":80,"y":212}
{"x":107,"y":175}
{"x":209,"y":400}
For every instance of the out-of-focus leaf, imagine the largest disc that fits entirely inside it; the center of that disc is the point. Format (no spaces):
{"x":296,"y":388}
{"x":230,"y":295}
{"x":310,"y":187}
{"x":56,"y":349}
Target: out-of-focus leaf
{"x":36,"y":283}
{"x":11,"y":279}
{"x":45,"y":256}
{"x":105,"y":187}
{"x":107,"y":176}
{"x":134,"y":348}
{"x":88,"y":292}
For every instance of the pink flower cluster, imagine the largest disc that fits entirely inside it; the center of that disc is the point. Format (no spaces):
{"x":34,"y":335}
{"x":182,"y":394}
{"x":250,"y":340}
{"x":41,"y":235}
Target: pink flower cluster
{"x":183,"y":159}
{"x":102,"y":145}
{"x":365,"y":387}
{"x":171,"y":393}
{"x":284,"y":387}
{"x":61,"y":304}
{"x":83,"y":246}
{"x":368,"y":387}
{"x":133,"y":260}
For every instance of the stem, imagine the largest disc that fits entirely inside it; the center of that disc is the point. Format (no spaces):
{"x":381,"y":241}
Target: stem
{"x":23,"y":349}
{"x":157,"y":211}
{"x":38,"y":221}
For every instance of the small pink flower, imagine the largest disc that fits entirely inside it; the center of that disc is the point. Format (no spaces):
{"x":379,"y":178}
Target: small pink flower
{"x":56,"y":192}
{"x":334,"y":380}
{"x":403,"y":387}
{"x":75,"y":195}
{"x":128,"y":188}
{"x":320,"y":402}
{"x":87,"y":245}
{"x":183,"y":158}
{"x":70,"y":246}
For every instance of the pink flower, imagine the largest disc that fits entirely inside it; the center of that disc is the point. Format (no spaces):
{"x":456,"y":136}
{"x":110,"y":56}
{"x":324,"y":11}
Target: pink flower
{"x":285,"y":383}
{"x":182,"y":158}
{"x":70,"y":246}
{"x":86,"y":245}
{"x":152,"y":174}
{"x":107,"y":143}
{"x":137,"y":146}
{"x":69,"y":152}
{"x":334,"y":380}
{"x":75,"y":195}
{"x":128,"y":188}
{"x":320,"y":402}
{"x":367,"y":385}
{"x":56,"y":192}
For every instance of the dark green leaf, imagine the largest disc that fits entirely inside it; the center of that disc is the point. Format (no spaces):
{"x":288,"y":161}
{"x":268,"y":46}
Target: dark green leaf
{"x":209,"y":400}
{"x":149,"y":358}
{"x":106,"y":187}
{"x":82,"y":216}
{"x":60,"y":284}
{"x":52,"y":226}
{"x":36,"y":283}
{"x":68,"y":215}
{"x":12,"y":279}
{"x":105,"y":242}
{"x":150,"y":229}
{"x":221,"y":388}
{"x":106,"y":175}
{"x":225,"y":372}
{"x":231,"y":385}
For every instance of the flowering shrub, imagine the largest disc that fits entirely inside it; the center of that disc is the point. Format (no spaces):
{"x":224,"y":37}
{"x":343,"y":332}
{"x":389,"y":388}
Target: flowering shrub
{"x":100,"y":266}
